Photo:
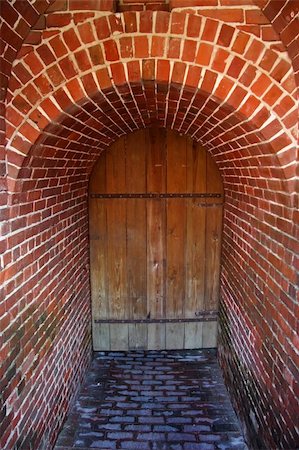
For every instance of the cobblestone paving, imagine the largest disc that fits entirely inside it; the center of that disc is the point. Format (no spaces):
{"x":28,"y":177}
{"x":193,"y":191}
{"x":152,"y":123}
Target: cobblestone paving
{"x":156,"y":400}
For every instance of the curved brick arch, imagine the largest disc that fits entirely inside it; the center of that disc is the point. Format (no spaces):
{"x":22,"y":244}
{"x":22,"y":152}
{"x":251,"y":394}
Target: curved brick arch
{"x":258,"y":242}
{"x":45,"y":277}
{"x":236,"y":70}
{"x":17,"y":18}
{"x":105,"y":116}
{"x":284,"y":18}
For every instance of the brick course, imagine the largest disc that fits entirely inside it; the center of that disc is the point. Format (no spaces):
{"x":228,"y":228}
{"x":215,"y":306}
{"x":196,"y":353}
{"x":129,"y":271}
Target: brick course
{"x":78,"y":78}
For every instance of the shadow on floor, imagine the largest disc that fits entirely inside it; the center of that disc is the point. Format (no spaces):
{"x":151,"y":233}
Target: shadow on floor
{"x":155,"y":400}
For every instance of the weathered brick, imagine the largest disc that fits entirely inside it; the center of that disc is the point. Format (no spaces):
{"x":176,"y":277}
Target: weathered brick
{"x":42,"y":268}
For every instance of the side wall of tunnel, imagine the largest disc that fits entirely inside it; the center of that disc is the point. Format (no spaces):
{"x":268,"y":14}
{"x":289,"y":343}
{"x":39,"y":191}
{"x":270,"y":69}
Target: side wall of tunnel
{"x":71,"y":97}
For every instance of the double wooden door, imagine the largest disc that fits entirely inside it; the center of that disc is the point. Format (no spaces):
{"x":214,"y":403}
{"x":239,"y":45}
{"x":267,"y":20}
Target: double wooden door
{"x":155,"y":236}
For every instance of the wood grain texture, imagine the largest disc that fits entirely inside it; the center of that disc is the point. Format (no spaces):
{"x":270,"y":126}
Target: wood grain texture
{"x":156,"y":336}
{"x":138,"y":336}
{"x":193,"y":335}
{"x":213,"y":245}
{"x":195,"y":266}
{"x":176,"y":225}
{"x":98,"y":254}
{"x":117,"y":260}
{"x":175,"y":250}
{"x":154,"y":258}
{"x":209,"y":334}
{"x":136,"y":258}
{"x":101,"y":337}
{"x":175,"y":334}
{"x":119,"y":337}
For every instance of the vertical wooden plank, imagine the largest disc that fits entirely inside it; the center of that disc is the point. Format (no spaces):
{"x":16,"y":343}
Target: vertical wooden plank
{"x":98,"y":255}
{"x":213,"y":243}
{"x":155,"y":258}
{"x":156,"y":182}
{"x":116,"y":168}
{"x":101,"y":337}
{"x":98,"y":258}
{"x":176,"y":225}
{"x":175,"y":333}
{"x":156,"y":336}
{"x":136,"y":147}
{"x":138,"y":336}
{"x":176,"y":163}
{"x":116,"y":259}
{"x":119,"y":336}
{"x":213,"y":236}
{"x":116,"y":232}
{"x":193,"y":335}
{"x":195,"y":258}
{"x":175,"y":275}
{"x":156,"y":160}
{"x":195,"y":239}
{"x":136,"y":258}
{"x":196,"y":167}
{"x":209,"y":334}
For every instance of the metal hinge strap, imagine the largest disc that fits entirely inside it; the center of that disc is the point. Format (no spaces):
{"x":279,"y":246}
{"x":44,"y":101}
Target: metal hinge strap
{"x":204,"y":317}
{"x":157,"y":195}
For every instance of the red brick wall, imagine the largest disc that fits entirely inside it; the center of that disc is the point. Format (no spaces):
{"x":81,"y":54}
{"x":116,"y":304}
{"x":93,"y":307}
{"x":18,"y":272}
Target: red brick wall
{"x":69,"y":97}
{"x":283,"y":16}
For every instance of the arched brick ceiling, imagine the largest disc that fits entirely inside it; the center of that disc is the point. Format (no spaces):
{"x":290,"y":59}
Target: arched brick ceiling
{"x":284,"y":17}
{"x":17,"y":19}
{"x":68,"y":148}
{"x":223,"y":98}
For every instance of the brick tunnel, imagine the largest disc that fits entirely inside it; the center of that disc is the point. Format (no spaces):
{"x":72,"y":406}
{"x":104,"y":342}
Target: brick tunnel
{"x":77,"y":78}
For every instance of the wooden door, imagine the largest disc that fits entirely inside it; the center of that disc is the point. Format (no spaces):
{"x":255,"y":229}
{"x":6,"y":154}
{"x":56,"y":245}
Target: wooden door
{"x":155,"y":237}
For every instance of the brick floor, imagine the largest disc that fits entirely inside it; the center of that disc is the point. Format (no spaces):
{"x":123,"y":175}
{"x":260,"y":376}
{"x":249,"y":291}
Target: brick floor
{"x":156,"y":400}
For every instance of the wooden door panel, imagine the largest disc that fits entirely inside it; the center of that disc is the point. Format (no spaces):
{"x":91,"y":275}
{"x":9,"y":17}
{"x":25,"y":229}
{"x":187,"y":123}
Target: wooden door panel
{"x":156,"y":258}
{"x":156,"y":160}
{"x":135,"y":162}
{"x":117,"y":294}
{"x":209,"y":334}
{"x":175,"y":250}
{"x":98,"y":256}
{"x":193,"y":335}
{"x":156,"y":336}
{"x":136,"y":255}
{"x":98,"y":243}
{"x":196,"y":167}
{"x":155,"y":239}
{"x":138,"y":336}
{"x":101,"y":336}
{"x":176,"y":158}
{"x":119,"y":336}
{"x":116,"y":168}
{"x":175,"y":336}
{"x":195,"y":265}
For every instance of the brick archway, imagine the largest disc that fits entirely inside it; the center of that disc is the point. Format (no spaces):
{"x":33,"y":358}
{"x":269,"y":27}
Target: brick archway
{"x":68,"y":99}
{"x":65,"y":69}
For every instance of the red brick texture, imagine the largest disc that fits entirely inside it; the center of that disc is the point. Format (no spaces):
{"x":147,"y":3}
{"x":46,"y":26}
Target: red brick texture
{"x":84,"y":79}
{"x":16,"y":19}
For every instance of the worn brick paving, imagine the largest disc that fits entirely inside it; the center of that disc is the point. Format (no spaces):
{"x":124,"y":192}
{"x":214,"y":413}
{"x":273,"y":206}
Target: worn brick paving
{"x":155,"y":400}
